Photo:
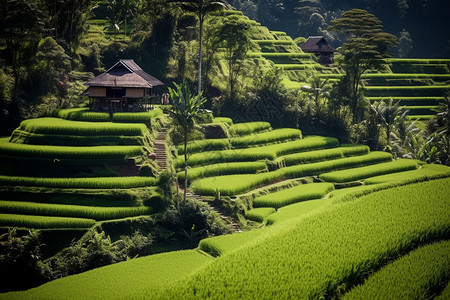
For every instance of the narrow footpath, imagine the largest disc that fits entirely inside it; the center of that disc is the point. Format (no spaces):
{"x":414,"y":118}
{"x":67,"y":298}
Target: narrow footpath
{"x":160,"y":149}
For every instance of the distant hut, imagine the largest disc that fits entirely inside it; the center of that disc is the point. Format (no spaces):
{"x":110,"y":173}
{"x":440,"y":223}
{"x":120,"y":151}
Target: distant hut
{"x":123,"y":87}
{"x":320,"y":47}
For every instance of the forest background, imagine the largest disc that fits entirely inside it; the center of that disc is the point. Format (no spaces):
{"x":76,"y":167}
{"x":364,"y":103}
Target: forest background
{"x":49,"y":48}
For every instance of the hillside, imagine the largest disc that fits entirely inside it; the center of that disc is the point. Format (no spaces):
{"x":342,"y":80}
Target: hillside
{"x":315,"y":196}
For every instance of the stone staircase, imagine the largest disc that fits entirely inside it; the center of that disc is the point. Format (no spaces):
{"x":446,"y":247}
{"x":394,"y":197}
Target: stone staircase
{"x":160,"y":149}
{"x":229,"y":220}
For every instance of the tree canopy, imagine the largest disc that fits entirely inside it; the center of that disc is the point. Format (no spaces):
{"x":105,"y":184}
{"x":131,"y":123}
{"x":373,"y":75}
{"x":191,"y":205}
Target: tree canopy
{"x":366,"y":45}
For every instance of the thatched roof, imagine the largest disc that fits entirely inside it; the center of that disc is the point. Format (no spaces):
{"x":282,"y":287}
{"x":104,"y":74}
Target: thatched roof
{"x":125,"y":73}
{"x":316,"y":44}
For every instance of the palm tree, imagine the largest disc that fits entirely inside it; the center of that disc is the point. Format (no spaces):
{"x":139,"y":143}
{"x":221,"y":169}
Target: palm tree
{"x":186,"y":108}
{"x":317,"y":88}
{"x":389,"y":113}
{"x":115,"y":14}
{"x":201,"y":8}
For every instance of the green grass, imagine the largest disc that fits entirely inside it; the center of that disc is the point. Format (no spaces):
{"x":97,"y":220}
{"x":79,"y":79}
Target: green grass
{"x":223,"y":169}
{"x":82,"y":114}
{"x":40,"y":222}
{"x":298,"y":210}
{"x":317,"y":168}
{"x":407,"y":91}
{"x":259,"y":214}
{"x":137,"y":117}
{"x":258,"y":153}
{"x":326,"y":154}
{"x":348,"y":175}
{"x":204,"y":145}
{"x":76,"y":211}
{"x":88,"y":183}
{"x":239,"y":129}
{"x":237,"y":184}
{"x":225,"y":120}
{"x":414,"y":276}
{"x":136,"y":278}
{"x":59,"y":152}
{"x":62,"y":126}
{"x":320,"y":253}
{"x":425,"y":172}
{"x":25,"y":137}
{"x":273,"y":136}
{"x":302,"y":192}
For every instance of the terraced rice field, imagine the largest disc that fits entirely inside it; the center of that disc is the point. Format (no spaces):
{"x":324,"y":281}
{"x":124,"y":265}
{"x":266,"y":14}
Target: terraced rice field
{"x":76,"y":169}
{"x":393,"y":242}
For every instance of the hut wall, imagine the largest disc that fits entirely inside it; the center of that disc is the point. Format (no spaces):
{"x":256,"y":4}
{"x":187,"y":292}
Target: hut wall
{"x":134,"y":93}
{"x":97,"y":91}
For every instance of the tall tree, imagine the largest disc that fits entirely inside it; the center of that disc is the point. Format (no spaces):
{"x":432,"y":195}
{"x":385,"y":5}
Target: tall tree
{"x":235,"y":37}
{"x":186,"y":108}
{"x":201,"y":8}
{"x":366,"y":46}
{"x":20,"y":29}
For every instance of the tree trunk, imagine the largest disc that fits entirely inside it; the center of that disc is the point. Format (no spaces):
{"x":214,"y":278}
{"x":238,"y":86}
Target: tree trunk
{"x":185,"y":166}
{"x":200,"y":55}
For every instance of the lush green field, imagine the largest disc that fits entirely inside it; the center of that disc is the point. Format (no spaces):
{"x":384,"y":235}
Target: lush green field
{"x":236,"y":184}
{"x":309,"y":257}
{"x":93,"y":183}
{"x":293,"y":195}
{"x":273,"y":136}
{"x":140,"y":277}
{"x":58,"y":152}
{"x":84,"y":114}
{"x":370,"y":171}
{"x":204,"y":145}
{"x":259,"y":214}
{"x":326,"y":154}
{"x":258,"y":153}
{"x":25,"y":137}
{"x":223,"y":169}
{"x":248,"y":128}
{"x":414,"y":276}
{"x":62,"y":126}
{"x":43,"y":222}
{"x":77,"y":211}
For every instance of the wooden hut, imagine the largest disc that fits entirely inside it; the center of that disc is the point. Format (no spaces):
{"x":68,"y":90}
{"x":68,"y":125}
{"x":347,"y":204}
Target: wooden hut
{"x":320,"y":47}
{"x":123,"y":87}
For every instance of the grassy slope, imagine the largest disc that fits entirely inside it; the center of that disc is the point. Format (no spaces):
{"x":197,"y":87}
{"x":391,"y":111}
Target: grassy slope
{"x":139,"y":277}
{"x":242,"y":270}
